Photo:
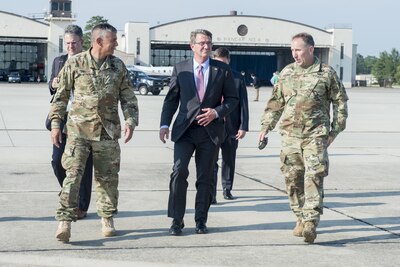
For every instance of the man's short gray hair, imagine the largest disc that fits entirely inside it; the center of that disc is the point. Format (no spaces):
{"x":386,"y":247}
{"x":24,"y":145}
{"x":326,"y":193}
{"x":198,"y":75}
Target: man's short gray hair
{"x":194,"y":33}
{"x":74,"y":29}
{"x":102,"y":28}
{"x":306,"y":37}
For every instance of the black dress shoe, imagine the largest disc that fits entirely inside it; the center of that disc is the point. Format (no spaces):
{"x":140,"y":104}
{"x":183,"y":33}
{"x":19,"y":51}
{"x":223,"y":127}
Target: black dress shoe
{"x":176,"y":227}
{"x":201,"y":228}
{"x":228,"y":195}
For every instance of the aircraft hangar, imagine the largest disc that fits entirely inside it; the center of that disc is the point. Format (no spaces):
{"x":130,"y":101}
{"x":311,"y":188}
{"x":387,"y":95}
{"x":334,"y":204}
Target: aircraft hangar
{"x":258,"y":44}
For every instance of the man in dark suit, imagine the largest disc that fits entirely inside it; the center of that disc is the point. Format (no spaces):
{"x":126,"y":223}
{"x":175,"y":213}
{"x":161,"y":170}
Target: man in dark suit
{"x":73,"y":39}
{"x":236,"y":126}
{"x":197,"y":87}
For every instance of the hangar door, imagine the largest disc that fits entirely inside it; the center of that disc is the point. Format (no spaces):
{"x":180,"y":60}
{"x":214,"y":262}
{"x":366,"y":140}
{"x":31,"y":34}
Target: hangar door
{"x":263,"y":66}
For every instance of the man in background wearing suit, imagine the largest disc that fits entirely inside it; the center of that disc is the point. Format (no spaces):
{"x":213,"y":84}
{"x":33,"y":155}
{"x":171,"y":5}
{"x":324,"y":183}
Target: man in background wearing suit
{"x":73,"y":38}
{"x":236,"y":126}
{"x":197,"y":87}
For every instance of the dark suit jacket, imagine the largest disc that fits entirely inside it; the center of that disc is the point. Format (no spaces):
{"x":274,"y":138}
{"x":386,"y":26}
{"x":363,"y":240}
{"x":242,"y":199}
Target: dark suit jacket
{"x":183,"y":94}
{"x":58,"y":63}
{"x":238,"y":119}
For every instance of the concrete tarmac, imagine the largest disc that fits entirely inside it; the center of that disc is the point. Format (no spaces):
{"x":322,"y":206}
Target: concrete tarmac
{"x":360,"y":225}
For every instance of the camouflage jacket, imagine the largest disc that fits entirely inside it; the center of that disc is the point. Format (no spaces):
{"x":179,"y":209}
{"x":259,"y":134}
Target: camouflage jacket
{"x":97,"y":92}
{"x":303,"y":98}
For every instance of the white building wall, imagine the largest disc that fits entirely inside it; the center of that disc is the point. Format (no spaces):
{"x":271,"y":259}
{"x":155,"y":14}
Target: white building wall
{"x":18,"y":26}
{"x":261,"y":31}
{"x":354,"y":65}
{"x":134,"y":32}
{"x":342,"y":37}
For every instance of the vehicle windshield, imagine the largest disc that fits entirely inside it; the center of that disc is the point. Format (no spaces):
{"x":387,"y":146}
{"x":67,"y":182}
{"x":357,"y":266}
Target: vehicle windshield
{"x":141,"y":74}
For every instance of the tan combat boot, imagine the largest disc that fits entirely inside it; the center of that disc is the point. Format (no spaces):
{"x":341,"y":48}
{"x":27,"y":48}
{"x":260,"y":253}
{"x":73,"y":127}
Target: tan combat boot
{"x":64,"y":231}
{"x":309,"y":232}
{"x":298,"y":230}
{"x":107,"y":226}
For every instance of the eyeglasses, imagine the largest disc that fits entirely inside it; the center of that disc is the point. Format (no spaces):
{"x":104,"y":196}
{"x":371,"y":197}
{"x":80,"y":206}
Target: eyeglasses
{"x":204,"y":43}
{"x":71,"y":43}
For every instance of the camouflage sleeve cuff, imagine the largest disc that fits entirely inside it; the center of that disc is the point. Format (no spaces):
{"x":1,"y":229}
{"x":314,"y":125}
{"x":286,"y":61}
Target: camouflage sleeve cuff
{"x":55,"y":124}
{"x":264,"y":128}
{"x":131,"y":123}
{"x":333,"y":134}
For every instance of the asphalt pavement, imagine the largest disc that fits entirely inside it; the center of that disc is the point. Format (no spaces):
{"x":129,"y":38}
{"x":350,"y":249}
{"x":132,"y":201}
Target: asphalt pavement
{"x":360,"y":225}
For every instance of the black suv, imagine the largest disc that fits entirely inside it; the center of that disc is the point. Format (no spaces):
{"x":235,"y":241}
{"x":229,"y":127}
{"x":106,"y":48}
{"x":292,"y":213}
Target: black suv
{"x":144,"y":83}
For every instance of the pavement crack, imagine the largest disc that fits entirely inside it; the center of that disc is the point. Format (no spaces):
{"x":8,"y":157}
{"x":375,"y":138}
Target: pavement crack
{"x":329,"y":208}
{"x":363,"y":221}
{"x":6,"y":130}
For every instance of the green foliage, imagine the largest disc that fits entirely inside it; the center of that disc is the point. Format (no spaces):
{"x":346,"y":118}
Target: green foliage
{"x":386,"y":68}
{"x":93,"y":21}
{"x":397,"y":75}
{"x":364,"y":65}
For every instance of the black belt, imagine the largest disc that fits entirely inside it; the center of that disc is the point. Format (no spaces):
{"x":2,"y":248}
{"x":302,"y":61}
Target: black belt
{"x":195,"y":123}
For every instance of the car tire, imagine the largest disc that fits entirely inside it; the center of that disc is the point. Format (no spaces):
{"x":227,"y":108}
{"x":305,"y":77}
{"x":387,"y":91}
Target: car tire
{"x":156,"y":92}
{"x":143,"y":90}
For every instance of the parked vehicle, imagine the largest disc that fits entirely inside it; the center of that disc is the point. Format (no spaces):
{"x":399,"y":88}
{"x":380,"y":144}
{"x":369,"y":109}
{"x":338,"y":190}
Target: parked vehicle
{"x":165,"y":78}
{"x":14,"y":77}
{"x":144,"y":83}
{"x":3,"y":76}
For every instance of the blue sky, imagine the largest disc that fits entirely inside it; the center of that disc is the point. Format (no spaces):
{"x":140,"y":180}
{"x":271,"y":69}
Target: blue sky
{"x":375,"y":23}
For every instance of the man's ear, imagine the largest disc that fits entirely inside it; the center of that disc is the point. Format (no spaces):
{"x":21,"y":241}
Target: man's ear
{"x":311,"y":49}
{"x":99,"y":41}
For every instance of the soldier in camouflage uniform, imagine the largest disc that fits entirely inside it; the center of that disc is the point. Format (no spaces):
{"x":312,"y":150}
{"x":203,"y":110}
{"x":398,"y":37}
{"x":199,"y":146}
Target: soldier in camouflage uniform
{"x":305,"y":91}
{"x":99,"y":81}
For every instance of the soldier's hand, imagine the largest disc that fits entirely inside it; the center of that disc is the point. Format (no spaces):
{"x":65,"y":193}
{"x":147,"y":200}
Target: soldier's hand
{"x":262,"y":135}
{"x":164,"y":134}
{"x":56,"y":137}
{"x":54,"y":83}
{"x":128,"y":133}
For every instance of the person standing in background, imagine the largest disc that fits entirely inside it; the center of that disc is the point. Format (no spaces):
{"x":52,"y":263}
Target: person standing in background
{"x":275,"y":78}
{"x":236,"y":126}
{"x":256,"y":85}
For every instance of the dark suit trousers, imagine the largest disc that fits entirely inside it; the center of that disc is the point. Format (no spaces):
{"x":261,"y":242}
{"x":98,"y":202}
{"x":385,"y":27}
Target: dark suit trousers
{"x":194,"y":139}
{"x":228,"y":152}
{"x":85,"y":190}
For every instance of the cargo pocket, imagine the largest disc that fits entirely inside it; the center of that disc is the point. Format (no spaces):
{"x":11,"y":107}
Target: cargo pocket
{"x":68,"y":156}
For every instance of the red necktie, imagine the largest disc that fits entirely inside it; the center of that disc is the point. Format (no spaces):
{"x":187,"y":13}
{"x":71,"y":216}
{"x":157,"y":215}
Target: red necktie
{"x":200,"y":82}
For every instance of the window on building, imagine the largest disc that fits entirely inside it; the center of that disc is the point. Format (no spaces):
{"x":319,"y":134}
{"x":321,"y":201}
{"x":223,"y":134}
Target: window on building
{"x":138,"y":46}
{"x":341,"y":73}
{"x":342,"y":51}
{"x":54,"y":6}
{"x":60,"y":44}
{"x":67,"y":6}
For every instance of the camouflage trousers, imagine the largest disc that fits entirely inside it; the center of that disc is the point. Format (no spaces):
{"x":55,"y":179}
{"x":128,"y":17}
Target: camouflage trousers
{"x":106,"y":162}
{"x":305,"y":163}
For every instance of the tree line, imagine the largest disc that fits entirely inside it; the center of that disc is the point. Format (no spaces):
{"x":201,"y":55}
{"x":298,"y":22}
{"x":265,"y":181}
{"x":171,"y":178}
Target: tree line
{"x":385,"y":68}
